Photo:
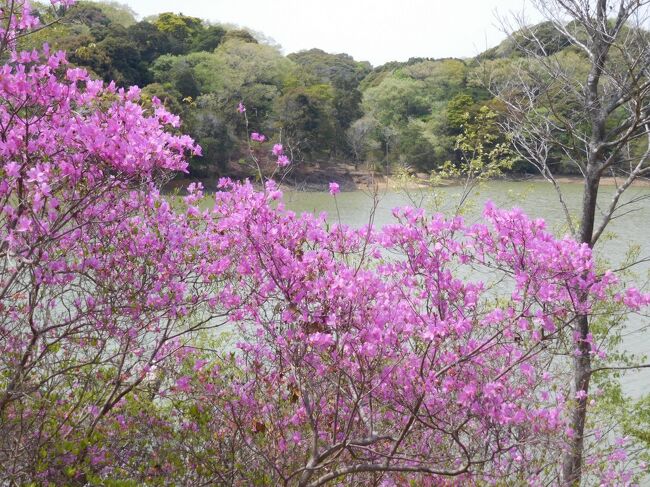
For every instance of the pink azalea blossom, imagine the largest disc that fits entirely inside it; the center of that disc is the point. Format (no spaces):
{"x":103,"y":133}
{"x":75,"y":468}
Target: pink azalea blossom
{"x":283,"y":161}
{"x":183,"y":383}
{"x":12,"y":169}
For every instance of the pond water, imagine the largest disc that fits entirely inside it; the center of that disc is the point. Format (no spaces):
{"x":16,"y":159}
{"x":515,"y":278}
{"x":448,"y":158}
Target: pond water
{"x":538,"y":200}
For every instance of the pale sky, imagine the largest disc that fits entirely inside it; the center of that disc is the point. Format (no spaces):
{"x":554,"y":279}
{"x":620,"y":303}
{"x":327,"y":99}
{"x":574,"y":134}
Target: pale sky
{"x":370,"y":30}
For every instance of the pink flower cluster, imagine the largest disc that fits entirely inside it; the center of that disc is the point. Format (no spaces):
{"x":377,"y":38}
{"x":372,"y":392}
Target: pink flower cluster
{"x":342,"y":347}
{"x":278,"y":151}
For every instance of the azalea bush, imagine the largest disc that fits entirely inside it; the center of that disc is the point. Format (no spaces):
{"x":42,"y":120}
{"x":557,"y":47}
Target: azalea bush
{"x":227,"y":340}
{"x":96,"y":284}
{"x":369,"y":356}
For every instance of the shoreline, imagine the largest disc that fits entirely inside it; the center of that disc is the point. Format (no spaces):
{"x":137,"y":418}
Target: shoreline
{"x":349,"y":181}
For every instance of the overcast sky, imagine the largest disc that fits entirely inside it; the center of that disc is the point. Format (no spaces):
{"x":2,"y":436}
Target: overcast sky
{"x":370,"y":30}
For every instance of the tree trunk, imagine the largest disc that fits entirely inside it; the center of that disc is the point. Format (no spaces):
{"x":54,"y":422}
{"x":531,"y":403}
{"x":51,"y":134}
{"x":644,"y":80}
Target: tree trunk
{"x":572,"y":462}
{"x":572,"y":465}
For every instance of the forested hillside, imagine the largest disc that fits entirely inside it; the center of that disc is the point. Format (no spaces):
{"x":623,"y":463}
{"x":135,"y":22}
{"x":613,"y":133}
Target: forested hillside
{"x":326,"y":108}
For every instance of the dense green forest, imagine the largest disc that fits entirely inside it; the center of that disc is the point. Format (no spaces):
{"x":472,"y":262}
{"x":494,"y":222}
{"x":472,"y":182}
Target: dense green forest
{"x":324,"y":107}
